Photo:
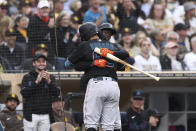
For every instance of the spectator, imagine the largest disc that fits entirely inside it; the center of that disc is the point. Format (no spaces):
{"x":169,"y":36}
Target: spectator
{"x":80,"y":13}
{"x":127,"y":14}
{"x":175,"y":11}
{"x":157,"y":39}
{"x":190,"y":18}
{"x":168,"y":60}
{"x":3,"y":8}
{"x":60,"y":115}
{"x":39,"y":28}
{"x":59,"y":6}
{"x":95,"y":13}
{"x":154,"y":119}
{"x":135,"y":50}
{"x":190,"y":58}
{"x":146,"y":6}
{"x":134,"y":120}
{"x":11,"y":120}
{"x":182,"y":50}
{"x":75,"y":5}
{"x":21,"y":24}
{"x":126,"y":39}
{"x":145,"y":60}
{"x":64,"y":35}
{"x":12,"y":52}
{"x":40,"y":49}
{"x":5,"y":23}
{"x":157,"y":20}
{"x":12,"y":8}
{"x":182,"y":30}
{"x":111,"y":6}
{"x":25,"y":8}
{"x":38,"y":87}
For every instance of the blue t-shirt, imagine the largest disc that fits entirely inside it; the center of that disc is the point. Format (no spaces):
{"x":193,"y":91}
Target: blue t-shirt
{"x":90,"y":16}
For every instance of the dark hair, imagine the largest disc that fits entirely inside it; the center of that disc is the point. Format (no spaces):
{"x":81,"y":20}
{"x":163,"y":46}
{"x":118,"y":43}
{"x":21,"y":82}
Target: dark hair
{"x":18,"y":18}
{"x":151,"y":14}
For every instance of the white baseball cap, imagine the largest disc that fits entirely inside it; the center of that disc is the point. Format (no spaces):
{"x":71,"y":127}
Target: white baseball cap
{"x":43,"y":3}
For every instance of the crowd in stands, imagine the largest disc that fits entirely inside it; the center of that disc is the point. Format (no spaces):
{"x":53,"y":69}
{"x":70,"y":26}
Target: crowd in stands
{"x":159,"y":34}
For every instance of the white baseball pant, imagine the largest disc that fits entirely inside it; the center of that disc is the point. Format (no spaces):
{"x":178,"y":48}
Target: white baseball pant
{"x":101,"y":104}
{"x":38,"y":123}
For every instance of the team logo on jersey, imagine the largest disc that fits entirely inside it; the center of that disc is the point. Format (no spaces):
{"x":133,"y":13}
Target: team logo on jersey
{"x":19,"y":117}
{"x":66,"y":119}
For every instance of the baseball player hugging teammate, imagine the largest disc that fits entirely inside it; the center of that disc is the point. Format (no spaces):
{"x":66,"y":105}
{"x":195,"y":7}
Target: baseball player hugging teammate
{"x":101,"y":104}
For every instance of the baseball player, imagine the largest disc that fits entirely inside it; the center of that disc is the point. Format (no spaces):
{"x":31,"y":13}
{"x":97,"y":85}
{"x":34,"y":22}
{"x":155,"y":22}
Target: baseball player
{"x":101,"y":104}
{"x":106,"y":32}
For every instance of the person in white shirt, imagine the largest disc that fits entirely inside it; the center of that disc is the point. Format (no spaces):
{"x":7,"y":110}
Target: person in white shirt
{"x":168,"y":60}
{"x":145,"y":60}
{"x":190,"y":58}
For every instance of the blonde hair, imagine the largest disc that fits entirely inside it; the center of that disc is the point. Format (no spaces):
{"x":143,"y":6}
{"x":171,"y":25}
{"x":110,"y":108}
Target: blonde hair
{"x":137,"y":39}
{"x":146,"y":39}
{"x":60,"y":17}
{"x":73,"y":5}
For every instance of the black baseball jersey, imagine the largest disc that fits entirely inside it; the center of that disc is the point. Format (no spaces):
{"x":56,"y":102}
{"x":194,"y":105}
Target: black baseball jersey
{"x":135,"y":121}
{"x":83,"y":58}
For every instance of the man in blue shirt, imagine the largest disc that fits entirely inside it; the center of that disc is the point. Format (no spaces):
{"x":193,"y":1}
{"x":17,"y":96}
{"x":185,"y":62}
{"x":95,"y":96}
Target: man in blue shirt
{"x":95,"y":13}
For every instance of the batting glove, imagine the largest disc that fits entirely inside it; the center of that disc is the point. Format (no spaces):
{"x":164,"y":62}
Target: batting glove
{"x":104,"y":52}
{"x":100,"y":63}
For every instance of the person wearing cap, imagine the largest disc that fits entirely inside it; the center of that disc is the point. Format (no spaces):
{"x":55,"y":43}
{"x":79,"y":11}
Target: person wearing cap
{"x":10,"y":119}
{"x":39,"y":27}
{"x":37,"y":89}
{"x":25,"y":8}
{"x":145,"y":60}
{"x":190,"y":18}
{"x":182,"y":30}
{"x":60,"y":114}
{"x":153,"y":117}
{"x":190,"y":58}
{"x":134,"y":119}
{"x":39,"y":49}
{"x":11,"y":51}
{"x":168,"y":60}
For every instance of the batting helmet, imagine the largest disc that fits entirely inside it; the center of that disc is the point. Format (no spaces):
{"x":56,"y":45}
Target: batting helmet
{"x":12,"y":97}
{"x":107,"y":26}
{"x":87,"y":30}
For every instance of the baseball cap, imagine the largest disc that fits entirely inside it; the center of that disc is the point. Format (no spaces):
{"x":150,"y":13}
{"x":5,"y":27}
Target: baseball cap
{"x":24,"y":3}
{"x":189,"y":6}
{"x":57,"y":98}
{"x":12,"y":96}
{"x":41,"y":46}
{"x":75,"y":19}
{"x":126,"y":30}
{"x":138,"y":95}
{"x":43,"y":3}
{"x":180,"y":26}
{"x":154,"y":112}
{"x":10,"y":32}
{"x":37,"y":56}
{"x":171,"y":44}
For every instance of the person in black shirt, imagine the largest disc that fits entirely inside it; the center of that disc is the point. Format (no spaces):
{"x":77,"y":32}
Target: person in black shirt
{"x":101,"y":104}
{"x":135,"y":119}
{"x":37,"y":89}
